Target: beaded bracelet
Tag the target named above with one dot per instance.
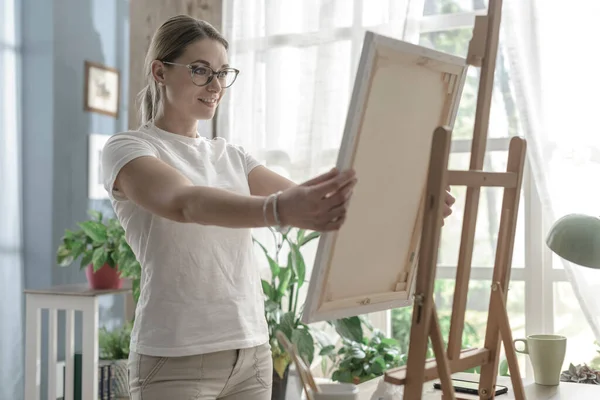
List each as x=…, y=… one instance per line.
x=281, y=229
x=265, y=205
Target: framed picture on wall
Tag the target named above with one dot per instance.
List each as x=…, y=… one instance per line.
x=96, y=143
x=102, y=88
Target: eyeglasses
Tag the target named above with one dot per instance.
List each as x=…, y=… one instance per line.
x=202, y=75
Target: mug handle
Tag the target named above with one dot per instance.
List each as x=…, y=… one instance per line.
x=525, y=349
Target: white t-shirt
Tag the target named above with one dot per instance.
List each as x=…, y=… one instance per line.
x=200, y=285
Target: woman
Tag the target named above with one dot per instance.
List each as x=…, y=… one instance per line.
x=186, y=204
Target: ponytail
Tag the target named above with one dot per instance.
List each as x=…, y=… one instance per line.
x=149, y=99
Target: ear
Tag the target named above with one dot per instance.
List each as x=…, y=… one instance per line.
x=158, y=72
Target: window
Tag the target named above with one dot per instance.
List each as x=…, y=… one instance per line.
x=11, y=261
x=298, y=60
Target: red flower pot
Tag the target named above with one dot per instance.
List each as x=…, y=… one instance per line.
x=106, y=277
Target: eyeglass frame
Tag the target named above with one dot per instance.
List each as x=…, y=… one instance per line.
x=212, y=72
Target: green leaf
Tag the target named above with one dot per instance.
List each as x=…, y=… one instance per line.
x=94, y=230
x=378, y=365
x=96, y=215
x=69, y=234
x=64, y=256
x=327, y=350
x=305, y=344
x=324, y=366
x=389, y=342
x=267, y=289
x=87, y=258
x=344, y=377
x=307, y=239
x=357, y=354
x=135, y=286
x=356, y=373
x=270, y=306
x=298, y=263
x=111, y=259
x=503, y=368
x=336, y=376
x=288, y=324
x=99, y=258
x=349, y=328
x=275, y=268
x=284, y=281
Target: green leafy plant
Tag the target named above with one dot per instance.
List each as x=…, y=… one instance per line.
x=114, y=345
x=282, y=310
x=361, y=357
x=99, y=242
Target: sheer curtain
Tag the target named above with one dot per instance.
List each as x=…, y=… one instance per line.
x=11, y=274
x=297, y=61
x=551, y=51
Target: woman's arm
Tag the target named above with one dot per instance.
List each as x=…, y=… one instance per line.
x=164, y=191
x=263, y=181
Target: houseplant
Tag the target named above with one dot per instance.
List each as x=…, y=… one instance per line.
x=114, y=350
x=282, y=310
x=104, y=252
x=361, y=357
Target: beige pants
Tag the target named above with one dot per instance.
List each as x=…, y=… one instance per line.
x=227, y=375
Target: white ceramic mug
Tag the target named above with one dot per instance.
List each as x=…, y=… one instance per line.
x=336, y=391
x=547, y=354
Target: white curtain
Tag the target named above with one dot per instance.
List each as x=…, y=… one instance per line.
x=11, y=267
x=552, y=52
x=297, y=61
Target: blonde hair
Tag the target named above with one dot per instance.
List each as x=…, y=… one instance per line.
x=168, y=43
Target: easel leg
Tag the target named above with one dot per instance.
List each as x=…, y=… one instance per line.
x=430, y=236
x=507, y=339
x=440, y=357
x=502, y=265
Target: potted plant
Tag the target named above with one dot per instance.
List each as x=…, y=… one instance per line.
x=361, y=357
x=114, y=351
x=105, y=254
x=282, y=310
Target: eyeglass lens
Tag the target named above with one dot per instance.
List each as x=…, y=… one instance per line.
x=201, y=75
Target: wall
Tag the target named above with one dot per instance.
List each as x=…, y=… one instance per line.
x=58, y=36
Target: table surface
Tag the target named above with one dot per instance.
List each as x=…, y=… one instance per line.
x=563, y=391
x=79, y=289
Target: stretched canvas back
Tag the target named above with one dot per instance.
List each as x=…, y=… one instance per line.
x=402, y=93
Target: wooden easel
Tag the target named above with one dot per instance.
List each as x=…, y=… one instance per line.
x=425, y=322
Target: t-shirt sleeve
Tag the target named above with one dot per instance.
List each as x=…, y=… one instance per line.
x=251, y=161
x=118, y=151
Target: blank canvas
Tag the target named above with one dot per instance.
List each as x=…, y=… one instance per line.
x=402, y=92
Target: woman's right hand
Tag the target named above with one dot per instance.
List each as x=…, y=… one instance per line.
x=319, y=204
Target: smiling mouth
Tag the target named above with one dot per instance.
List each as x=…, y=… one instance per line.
x=209, y=102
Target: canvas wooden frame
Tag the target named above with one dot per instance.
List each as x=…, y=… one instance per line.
x=401, y=94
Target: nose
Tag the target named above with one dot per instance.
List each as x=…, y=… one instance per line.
x=214, y=85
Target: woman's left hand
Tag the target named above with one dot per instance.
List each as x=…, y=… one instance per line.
x=449, y=201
